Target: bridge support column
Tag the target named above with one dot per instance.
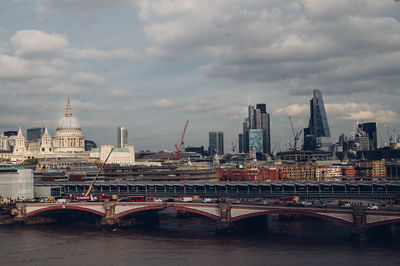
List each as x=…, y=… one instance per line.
x=109, y=219
x=21, y=208
x=224, y=225
x=359, y=229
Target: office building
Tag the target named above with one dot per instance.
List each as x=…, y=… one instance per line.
x=258, y=119
x=89, y=145
x=370, y=129
x=318, y=121
x=241, y=143
x=256, y=140
x=216, y=142
x=10, y=133
x=122, y=137
x=34, y=133
x=318, y=124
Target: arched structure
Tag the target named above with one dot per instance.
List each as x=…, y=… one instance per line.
x=294, y=212
x=196, y=211
x=65, y=207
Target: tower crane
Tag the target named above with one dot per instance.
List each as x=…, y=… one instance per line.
x=296, y=136
x=179, y=148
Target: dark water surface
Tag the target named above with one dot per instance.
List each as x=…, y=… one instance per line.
x=192, y=241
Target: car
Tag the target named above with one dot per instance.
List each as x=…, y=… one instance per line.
x=263, y=202
x=207, y=200
x=373, y=207
x=158, y=200
x=346, y=205
x=235, y=202
x=306, y=203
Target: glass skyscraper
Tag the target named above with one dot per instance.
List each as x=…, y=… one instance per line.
x=318, y=121
x=258, y=119
x=216, y=142
x=370, y=129
x=256, y=140
x=34, y=133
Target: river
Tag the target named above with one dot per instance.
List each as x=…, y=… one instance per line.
x=192, y=241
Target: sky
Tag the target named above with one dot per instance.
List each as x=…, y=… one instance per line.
x=151, y=65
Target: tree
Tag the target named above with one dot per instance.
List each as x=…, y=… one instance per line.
x=31, y=162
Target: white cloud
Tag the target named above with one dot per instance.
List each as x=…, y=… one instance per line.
x=88, y=79
x=292, y=110
x=14, y=68
x=35, y=43
x=163, y=104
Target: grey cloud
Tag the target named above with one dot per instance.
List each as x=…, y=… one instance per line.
x=88, y=79
x=264, y=42
x=79, y=4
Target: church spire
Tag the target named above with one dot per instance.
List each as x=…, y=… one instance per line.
x=68, y=112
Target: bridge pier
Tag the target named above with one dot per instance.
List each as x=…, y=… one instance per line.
x=109, y=220
x=224, y=225
x=359, y=229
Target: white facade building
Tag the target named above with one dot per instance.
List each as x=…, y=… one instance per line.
x=120, y=156
x=16, y=184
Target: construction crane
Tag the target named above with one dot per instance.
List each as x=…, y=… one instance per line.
x=97, y=175
x=181, y=144
x=296, y=136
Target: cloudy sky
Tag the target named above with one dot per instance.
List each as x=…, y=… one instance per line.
x=152, y=65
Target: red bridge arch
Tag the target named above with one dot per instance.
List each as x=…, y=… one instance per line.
x=293, y=212
x=63, y=207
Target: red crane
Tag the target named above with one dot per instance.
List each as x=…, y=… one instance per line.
x=179, y=148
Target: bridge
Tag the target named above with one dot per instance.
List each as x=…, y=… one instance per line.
x=382, y=191
x=225, y=214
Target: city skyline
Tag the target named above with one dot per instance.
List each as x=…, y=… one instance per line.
x=165, y=62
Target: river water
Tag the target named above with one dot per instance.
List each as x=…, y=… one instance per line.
x=192, y=241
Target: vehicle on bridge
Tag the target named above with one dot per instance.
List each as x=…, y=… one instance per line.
x=137, y=198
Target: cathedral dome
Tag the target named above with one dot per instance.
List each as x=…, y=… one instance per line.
x=68, y=122
x=69, y=137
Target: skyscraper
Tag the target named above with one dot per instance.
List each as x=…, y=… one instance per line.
x=122, y=137
x=216, y=142
x=34, y=133
x=318, y=124
x=318, y=121
x=258, y=119
x=370, y=129
x=256, y=140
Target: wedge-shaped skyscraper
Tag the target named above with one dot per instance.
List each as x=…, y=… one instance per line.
x=318, y=121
